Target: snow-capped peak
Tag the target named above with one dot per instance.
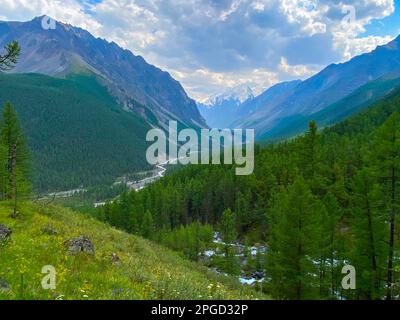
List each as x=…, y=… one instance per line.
x=238, y=94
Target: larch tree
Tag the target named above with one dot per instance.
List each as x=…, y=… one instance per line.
x=310, y=158
x=147, y=226
x=17, y=182
x=329, y=244
x=386, y=158
x=10, y=57
x=370, y=247
x=228, y=226
x=294, y=243
x=229, y=235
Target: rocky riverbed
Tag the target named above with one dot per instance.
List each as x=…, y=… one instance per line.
x=249, y=275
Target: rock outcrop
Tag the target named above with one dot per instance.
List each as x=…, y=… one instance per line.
x=81, y=244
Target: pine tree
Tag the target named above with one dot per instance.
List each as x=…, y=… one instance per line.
x=18, y=165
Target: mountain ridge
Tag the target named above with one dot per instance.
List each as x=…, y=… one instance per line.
x=128, y=77
x=224, y=103
x=327, y=87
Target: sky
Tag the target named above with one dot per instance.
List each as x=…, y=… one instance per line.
x=213, y=45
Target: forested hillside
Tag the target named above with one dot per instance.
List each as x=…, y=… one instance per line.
x=357, y=101
x=319, y=202
x=78, y=134
x=326, y=88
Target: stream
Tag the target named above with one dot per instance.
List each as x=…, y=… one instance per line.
x=245, y=277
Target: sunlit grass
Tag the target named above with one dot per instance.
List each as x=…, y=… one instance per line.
x=146, y=271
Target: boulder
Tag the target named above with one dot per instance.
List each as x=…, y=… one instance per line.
x=79, y=245
x=50, y=230
x=4, y=286
x=5, y=232
x=259, y=275
x=115, y=259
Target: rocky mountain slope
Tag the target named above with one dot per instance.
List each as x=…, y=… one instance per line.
x=129, y=78
x=220, y=110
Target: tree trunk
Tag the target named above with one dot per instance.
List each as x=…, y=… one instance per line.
x=389, y=282
x=390, y=259
x=13, y=177
x=372, y=248
x=299, y=287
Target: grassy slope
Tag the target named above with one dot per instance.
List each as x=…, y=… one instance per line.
x=147, y=271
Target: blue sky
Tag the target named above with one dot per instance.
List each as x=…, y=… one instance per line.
x=389, y=25
x=212, y=45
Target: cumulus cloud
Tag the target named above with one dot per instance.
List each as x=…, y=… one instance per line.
x=308, y=15
x=346, y=33
x=297, y=71
x=69, y=11
x=210, y=45
x=203, y=81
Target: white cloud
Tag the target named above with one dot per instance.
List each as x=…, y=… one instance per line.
x=258, y=6
x=232, y=9
x=352, y=47
x=307, y=14
x=209, y=45
x=203, y=82
x=69, y=11
x=299, y=71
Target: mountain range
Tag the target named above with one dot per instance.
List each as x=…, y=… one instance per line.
x=89, y=103
x=329, y=96
x=129, y=78
x=86, y=104
x=220, y=109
